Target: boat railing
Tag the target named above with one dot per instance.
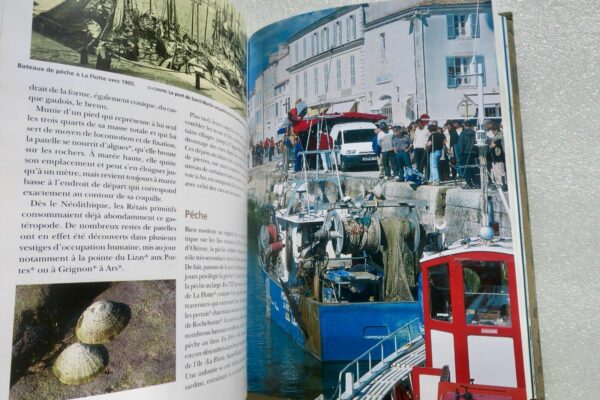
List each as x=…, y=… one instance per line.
x=332, y=153
x=397, y=343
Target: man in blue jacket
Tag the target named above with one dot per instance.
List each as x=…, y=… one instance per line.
x=297, y=156
x=377, y=150
x=468, y=155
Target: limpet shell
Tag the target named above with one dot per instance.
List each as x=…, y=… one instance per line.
x=80, y=363
x=102, y=321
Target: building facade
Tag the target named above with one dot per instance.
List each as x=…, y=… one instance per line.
x=400, y=59
x=326, y=68
x=424, y=58
x=270, y=100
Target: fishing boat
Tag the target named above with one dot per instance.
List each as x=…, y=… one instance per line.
x=339, y=276
x=470, y=344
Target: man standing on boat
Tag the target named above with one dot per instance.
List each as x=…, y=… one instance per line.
x=325, y=143
x=297, y=156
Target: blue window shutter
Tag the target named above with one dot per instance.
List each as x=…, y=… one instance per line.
x=450, y=72
x=474, y=25
x=450, y=24
x=481, y=61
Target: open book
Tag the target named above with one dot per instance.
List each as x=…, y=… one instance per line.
x=321, y=210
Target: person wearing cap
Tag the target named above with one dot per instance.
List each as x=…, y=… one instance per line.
x=435, y=143
x=384, y=140
x=402, y=145
x=419, y=144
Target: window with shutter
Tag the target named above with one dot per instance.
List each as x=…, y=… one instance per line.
x=474, y=25
x=450, y=26
x=338, y=73
x=450, y=72
x=352, y=71
x=480, y=60
x=461, y=71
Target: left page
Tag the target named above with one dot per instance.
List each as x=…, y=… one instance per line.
x=123, y=203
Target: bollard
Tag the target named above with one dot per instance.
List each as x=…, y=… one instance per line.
x=198, y=80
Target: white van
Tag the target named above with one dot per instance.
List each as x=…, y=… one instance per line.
x=354, y=141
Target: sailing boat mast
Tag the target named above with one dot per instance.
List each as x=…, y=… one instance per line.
x=206, y=20
x=193, y=12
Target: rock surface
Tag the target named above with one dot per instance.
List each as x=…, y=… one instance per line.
x=142, y=355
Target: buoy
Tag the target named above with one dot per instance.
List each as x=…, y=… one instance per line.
x=276, y=247
x=272, y=233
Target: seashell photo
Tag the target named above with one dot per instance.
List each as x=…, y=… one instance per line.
x=73, y=340
x=102, y=321
x=80, y=363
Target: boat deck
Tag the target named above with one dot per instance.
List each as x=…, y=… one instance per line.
x=377, y=383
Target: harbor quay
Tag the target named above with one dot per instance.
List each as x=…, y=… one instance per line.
x=447, y=207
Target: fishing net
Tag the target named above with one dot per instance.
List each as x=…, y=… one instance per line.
x=399, y=260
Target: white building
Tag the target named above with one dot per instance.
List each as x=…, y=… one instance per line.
x=270, y=101
x=326, y=66
x=418, y=55
x=399, y=58
x=256, y=110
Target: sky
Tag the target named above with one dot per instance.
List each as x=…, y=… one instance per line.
x=265, y=42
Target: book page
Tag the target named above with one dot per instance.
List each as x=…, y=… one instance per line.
x=123, y=158
x=384, y=198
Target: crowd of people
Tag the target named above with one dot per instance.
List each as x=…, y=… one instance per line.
x=422, y=152
x=427, y=152
x=265, y=150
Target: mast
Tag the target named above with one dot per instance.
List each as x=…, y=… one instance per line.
x=197, y=23
x=206, y=20
x=193, y=12
x=215, y=24
x=175, y=25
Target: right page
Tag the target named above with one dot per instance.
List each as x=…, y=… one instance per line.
x=385, y=265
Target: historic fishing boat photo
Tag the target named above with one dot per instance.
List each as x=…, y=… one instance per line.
x=193, y=44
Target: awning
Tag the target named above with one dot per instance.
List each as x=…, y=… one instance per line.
x=492, y=99
x=312, y=112
x=347, y=106
x=378, y=105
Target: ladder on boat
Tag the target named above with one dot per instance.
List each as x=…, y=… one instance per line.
x=397, y=353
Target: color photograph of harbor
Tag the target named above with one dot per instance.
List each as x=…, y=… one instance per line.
x=384, y=266
x=198, y=45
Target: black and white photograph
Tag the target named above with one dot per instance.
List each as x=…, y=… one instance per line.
x=198, y=45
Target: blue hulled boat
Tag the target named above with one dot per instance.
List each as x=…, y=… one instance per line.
x=338, y=276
